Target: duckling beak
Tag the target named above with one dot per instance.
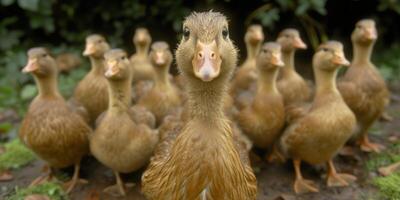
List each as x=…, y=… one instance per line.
x=89, y=50
x=112, y=68
x=32, y=65
x=276, y=60
x=339, y=59
x=371, y=34
x=258, y=36
x=159, y=59
x=206, y=61
x=298, y=43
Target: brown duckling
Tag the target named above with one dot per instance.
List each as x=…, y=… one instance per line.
x=66, y=62
x=246, y=73
x=318, y=135
x=118, y=142
x=50, y=128
x=202, y=161
x=362, y=87
x=164, y=97
x=291, y=85
x=91, y=91
x=263, y=120
x=142, y=68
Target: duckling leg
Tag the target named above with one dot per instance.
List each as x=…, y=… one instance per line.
x=368, y=146
x=118, y=189
x=276, y=155
x=338, y=180
x=386, y=171
x=43, y=178
x=302, y=185
x=386, y=117
x=69, y=186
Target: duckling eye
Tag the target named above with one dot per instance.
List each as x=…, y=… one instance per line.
x=225, y=33
x=265, y=51
x=44, y=55
x=324, y=49
x=186, y=33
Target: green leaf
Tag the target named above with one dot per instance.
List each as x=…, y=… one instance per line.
x=31, y=5
x=28, y=92
x=7, y=2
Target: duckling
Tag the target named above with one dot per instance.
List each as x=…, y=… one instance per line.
x=246, y=73
x=263, y=120
x=164, y=97
x=318, y=135
x=142, y=68
x=201, y=160
x=50, y=128
x=362, y=87
x=118, y=142
x=66, y=62
x=291, y=85
x=91, y=91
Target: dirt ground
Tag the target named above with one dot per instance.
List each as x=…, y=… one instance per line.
x=274, y=180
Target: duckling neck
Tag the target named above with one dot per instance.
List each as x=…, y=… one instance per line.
x=206, y=100
x=162, y=79
x=362, y=54
x=141, y=50
x=252, y=50
x=288, y=59
x=119, y=95
x=267, y=81
x=47, y=86
x=98, y=67
x=326, y=82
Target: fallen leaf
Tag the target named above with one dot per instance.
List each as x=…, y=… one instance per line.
x=285, y=197
x=37, y=197
x=93, y=195
x=6, y=176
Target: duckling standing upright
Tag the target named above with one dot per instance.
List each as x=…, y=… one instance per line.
x=246, y=74
x=91, y=91
x=202, y=161
x=142, y=68
x=263, y=120
x=164, y=97
x=362, y=87
x=118, y=141
x=50, y=128
x=290, y=84
x=318, y=135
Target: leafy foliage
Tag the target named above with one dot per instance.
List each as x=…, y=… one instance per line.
x=391, y=155
x=16, y=156
x=52, y=190
x=389, y=186
x=388, y=62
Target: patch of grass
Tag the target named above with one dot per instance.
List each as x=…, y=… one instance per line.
x=16, y=155
x=389, y=186
x=53, y=190
x=391, y=155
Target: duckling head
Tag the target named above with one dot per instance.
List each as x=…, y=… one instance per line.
x=40, y=63
x=117, y=65
x=141, y=37
x=330, y=56
x=270, y=56
x=365, y=32
x=290, y=40
x=96, y=46
x=160, y=55
x=205, y=51
x=254, y=35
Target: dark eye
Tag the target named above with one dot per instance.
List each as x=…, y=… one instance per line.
x=44, y=55
x=123, y=57
x=324, y=49
x=225, y=33
x=265, y=51
x=186, y=33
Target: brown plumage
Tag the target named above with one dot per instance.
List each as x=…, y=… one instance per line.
x=246, y=74
x=142, y=68
x=362, y=87
x=67, y=62
x=164, y=97
x=91, y=91
x=263, y=120
x=202, y=161
x=318, y=135
x=50, y=128
x=291, y=85
x=119, y=142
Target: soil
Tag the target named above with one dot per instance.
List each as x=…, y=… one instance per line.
x=275, y=181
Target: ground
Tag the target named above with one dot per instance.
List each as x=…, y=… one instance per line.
x=274, y=180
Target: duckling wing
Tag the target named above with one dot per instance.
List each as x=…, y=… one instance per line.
x=79, y=109
x=294, y=112
x=352, y=95
x=141, y=115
